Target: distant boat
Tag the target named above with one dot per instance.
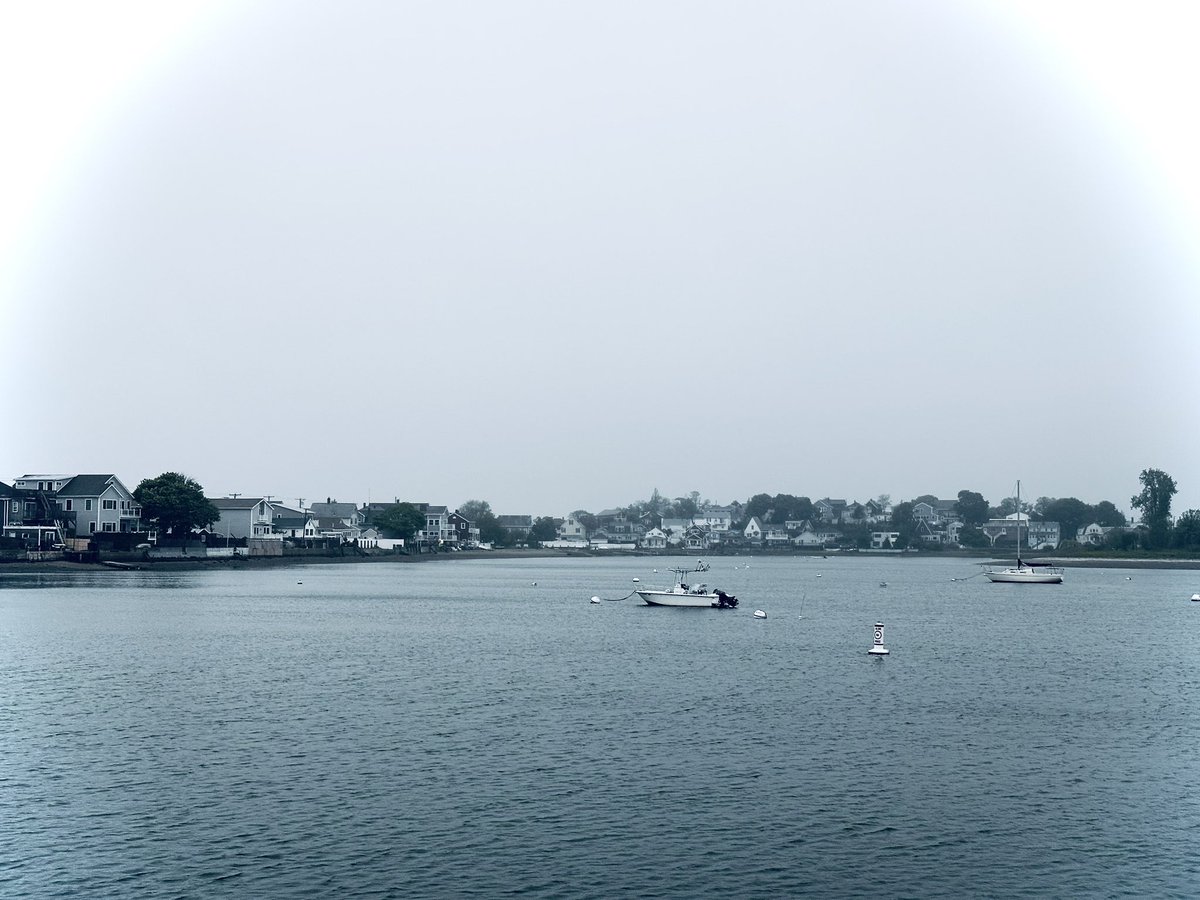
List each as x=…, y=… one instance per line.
x=685, y=594
x=1196, y=598
x=1024, y=572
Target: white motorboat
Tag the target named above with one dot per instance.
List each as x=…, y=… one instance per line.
x=1024, y=572
x=685, y=593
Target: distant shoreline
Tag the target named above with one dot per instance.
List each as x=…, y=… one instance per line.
x=272, y=562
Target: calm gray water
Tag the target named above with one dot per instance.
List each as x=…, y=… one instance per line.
x=451, y=729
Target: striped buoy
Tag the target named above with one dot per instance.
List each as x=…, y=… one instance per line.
x=877, y=649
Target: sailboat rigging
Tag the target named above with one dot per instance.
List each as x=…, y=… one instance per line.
x=1024, y=572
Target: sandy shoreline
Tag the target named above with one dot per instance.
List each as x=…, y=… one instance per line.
x=268, y=562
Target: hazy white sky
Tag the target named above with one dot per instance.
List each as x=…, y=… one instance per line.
x=558, y=255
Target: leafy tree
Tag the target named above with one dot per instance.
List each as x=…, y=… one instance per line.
x=401, y=520
x=926, y=498
x=973, y=537
x=1186, y=535
x=972, y=507
x=479, y=513
x=176, y=502
x=1105, y=513
x=1155, y=503
x=758, y=505
x=685, y=507
x=903, y=522
x=1070, y=513
x=475, y=510
x=545, y=528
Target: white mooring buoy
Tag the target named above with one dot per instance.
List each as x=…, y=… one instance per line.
x=637, y=580
x=877, y=649
x=1196, y=598
x=595, y=599
x=760, y=614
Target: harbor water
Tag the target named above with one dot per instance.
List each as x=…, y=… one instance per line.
x=480, y=728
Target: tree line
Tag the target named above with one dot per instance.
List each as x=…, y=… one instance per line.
x=177, y=502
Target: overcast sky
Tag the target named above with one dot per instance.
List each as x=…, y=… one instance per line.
x=556, y=255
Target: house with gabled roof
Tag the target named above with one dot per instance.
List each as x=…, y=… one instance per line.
x=244, y=517
x=830, y=510
x=754, y=530
x=331, y=509
x=654, y=539
x=100, y=503
x=293, y=523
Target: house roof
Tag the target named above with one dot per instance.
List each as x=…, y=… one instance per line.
x=328, y=523
x=86, y=486
x=435, y=510
x=334, y=509
x=235, y=502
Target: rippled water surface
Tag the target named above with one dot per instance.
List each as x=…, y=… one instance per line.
x=452, y=728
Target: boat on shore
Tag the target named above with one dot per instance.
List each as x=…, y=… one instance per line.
x=686, y=593
x=1024, y=572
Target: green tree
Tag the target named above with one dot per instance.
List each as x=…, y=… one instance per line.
x=545, y=528
x=479, y=513
x=176, y=502
x=1155, y=503
x=903, y=522
x=1186, y=535
x=1106, y=513
x=758, y=505
x=1070, y=513
x=973, y=537
x=972, y=507
x=401, y=520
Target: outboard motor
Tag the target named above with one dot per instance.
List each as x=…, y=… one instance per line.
x=726, y=601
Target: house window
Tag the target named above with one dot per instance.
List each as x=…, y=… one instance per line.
x=110, y=504
x=110, y=526
x=68, y=505
x=91, y=527
x=87, y=505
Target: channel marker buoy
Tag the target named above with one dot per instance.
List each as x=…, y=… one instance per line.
x=877, y=649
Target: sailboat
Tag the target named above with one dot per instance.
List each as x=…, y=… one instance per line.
x=1024, y=572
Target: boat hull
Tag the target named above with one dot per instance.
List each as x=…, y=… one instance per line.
x=1023, y=575
x=672, y=598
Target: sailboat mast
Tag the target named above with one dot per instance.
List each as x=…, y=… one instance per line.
x=1018, y=523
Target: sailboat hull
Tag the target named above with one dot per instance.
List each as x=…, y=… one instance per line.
x=1025, y=575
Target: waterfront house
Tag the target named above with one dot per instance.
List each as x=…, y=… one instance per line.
x=100, y=503
x=243, y=517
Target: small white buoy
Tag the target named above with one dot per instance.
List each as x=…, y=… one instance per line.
x=1129, y=578
x=1196, y=598
x=637, y=581
x=818, y=574
x=595, y=599
x=877, y=649
x=533, y=583
x=759, y=614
